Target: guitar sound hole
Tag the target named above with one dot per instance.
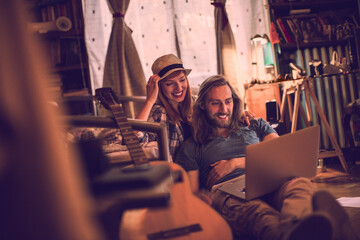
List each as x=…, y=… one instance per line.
x=177, y=176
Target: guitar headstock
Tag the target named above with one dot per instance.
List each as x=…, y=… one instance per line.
x=107, y=97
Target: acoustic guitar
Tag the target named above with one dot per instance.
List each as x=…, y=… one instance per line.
x=185, y=216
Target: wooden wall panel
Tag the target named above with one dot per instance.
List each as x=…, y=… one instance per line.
x=257, y=95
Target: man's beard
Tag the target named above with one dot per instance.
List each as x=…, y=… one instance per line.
x=216, y=122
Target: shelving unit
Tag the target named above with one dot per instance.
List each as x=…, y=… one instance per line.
x=59, y=25
x=309, y=24
x=318, y=31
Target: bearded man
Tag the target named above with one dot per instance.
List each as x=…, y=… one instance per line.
x=216, y=155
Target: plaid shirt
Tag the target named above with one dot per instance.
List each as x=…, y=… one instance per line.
x=175, y=131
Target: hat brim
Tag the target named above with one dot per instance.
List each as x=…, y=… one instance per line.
x=187, y=71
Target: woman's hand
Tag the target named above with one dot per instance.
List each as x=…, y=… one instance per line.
x=246, y=117
x=152, y=89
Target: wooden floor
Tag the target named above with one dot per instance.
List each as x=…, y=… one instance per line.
x=341, y=184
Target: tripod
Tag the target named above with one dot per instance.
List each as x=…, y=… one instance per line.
x=295, y=87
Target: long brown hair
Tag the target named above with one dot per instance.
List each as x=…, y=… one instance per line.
x=202, y=127
x=184, y=111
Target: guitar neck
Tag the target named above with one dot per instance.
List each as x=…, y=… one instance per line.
x=132, y=142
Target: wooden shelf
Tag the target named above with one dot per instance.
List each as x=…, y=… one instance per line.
x=71, y=34
x=315, y=5
x=69, y=67
x=294, y=46
x=77, y=93
x=326, y=23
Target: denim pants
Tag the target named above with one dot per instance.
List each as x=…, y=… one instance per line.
x=266, y=217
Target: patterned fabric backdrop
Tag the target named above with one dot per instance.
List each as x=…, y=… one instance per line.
x=183, y=27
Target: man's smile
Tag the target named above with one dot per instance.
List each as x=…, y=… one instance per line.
x=222, y=115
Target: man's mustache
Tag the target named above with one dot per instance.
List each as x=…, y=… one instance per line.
x=217, y=114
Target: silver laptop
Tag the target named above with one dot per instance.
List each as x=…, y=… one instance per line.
x=270, y=163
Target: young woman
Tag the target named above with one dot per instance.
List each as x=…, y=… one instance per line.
x=168, y=100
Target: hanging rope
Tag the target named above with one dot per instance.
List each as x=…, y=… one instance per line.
x=118, y=14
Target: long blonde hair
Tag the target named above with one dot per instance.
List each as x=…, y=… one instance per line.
x=184, y=111
x=202, y=127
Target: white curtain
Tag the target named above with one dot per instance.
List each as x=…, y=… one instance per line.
x=98, y=24
x=227, y=58
x=247, y=19
x=185, y=28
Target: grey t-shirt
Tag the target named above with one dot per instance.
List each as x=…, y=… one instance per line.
x=193, y=156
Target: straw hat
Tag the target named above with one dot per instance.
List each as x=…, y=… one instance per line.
x=167, y=64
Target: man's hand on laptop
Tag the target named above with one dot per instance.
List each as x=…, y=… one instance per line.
x=222, y=168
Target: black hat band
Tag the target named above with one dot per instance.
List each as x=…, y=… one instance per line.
x=168, y=68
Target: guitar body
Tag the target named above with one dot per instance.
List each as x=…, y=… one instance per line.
x=184, y=209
